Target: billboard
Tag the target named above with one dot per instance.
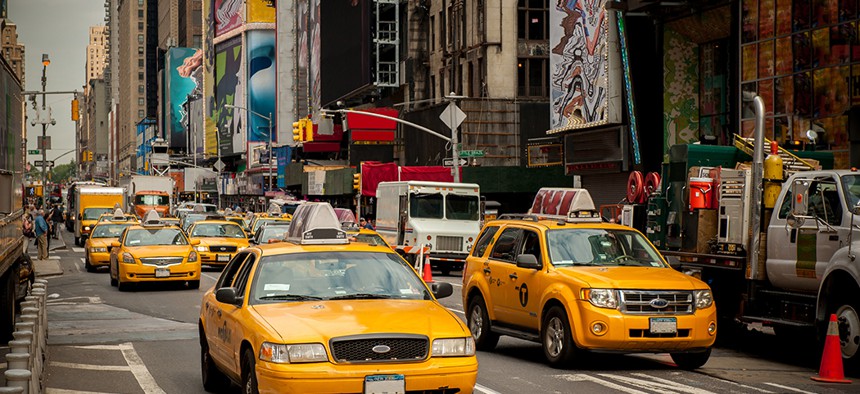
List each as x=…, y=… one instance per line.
x=209, y=108
x=228, y=90
x=308, y=62
x=182, y=71
x=585, y=66
x=345, y=63
x=260, y=48
x=260, y=12
x=228, y=15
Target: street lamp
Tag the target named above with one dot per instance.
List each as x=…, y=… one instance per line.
x=268, y=118
x=45, y=62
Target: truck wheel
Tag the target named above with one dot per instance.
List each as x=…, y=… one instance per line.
x=480, y=326
x=849, y=333
x=8, y=312
x=691, y=361
x=556, y=338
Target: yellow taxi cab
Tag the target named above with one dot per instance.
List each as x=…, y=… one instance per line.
x=240, y=220
x=260, y=220
x=171, y=221
x=113, y=217
x=98, y=244
x=153, y=252
x=575, y=283
x=367, y=236
x=218, y=240
x=319, y=313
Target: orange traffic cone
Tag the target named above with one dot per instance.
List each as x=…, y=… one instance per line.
x=831, y=361
x=428, y=276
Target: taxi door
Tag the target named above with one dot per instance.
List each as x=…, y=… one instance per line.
x=499, y=270
x=525, y=283
x=216, y=313
x=235, y=318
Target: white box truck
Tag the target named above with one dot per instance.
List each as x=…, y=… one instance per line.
x=444, y=216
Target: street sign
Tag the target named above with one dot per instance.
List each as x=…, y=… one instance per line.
x=449, y=162
x=452, y=116
x=219, y=165
x=471, y=153
x=39, y=163
x=34, y=152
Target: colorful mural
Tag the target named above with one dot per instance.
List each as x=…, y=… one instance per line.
x=209, y=108
x=228, y=15
x=260, y=47
x=229, y=89
x=681, y=94
x=308, y=81
x=260, y=12
x=584, y=72
x=181, y=79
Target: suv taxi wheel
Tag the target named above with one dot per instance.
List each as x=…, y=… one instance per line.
x=479, y=325
x=556, y=338
x=249, y=373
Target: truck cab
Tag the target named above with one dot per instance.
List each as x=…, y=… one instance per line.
x=146, y=200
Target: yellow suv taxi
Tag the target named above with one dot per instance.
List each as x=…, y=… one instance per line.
x=98, y=244
x=576, y=283
x=218, y=240
x=153, y=252
x=319, y=313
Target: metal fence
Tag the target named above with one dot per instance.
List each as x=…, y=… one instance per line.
x=25, y=362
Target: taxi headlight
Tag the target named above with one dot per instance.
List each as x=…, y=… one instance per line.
x=301, y=353
x=601, y=298
x=200, y=248
x=192, y=257
x=452, y=347
x=86, y=228
x=704, y=299
x=99, y=250
x=241, y=248
x=127, y=258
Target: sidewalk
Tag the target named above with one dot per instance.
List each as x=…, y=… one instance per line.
x=50, y=267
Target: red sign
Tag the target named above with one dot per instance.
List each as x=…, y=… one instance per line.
x=364, y=122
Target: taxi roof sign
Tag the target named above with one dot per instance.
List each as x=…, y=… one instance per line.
x=316, y=224
x=151, y=218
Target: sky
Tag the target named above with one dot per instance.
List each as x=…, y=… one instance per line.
x=59, y=28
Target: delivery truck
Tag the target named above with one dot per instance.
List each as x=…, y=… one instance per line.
x=148, y=192
x=92, y=202
x=443, y=217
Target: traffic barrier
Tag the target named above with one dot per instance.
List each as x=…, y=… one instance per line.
x=831, y=370
x=25, y=362
x=427, y=274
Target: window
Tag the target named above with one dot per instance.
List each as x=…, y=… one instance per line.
x=139, y=26
x=426, y=206
x=140, y=62
x=140, y=101
x=140, y=38
x=140, y=76
x=140, y=114
x=505, y=248
x=432, y=33
x=532, y=77
x=531, y=245
x=532, y=20
x=140, y=13
x=140, y=89
x=197, y=41
x=140, y=50
x=140, y=3
x=484, y=241
x=443, y=38
x=230, y=271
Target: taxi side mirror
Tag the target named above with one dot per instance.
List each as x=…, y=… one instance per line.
x=441, y=289
x=528, y=261
x=115, y=244
x=195, y=242
x=228, y=295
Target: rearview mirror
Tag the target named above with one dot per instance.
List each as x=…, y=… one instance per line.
x=195, y=242
x=528, y=261
x=228, y=295
x=794, y=221
x=115, y=244
x=856, y=209
x=441, y=289
x=800, y=197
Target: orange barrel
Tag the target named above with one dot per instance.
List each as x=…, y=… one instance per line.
x=700, y=193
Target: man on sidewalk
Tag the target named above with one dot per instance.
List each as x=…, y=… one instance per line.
x=41, y=227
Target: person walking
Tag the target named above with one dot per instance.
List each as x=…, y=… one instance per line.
x=57, y=218
x=28, y=231
x=41, y=229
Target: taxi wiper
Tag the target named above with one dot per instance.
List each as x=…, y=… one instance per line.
x=291, y=297
x=365, y=296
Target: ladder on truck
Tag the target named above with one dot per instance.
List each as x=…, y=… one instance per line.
x=790, y=162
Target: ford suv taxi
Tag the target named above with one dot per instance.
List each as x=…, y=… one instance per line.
x=153, y=252
x=219, y=240
x=575, y=283
x=318, y=313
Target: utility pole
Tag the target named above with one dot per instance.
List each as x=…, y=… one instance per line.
x=45, y=63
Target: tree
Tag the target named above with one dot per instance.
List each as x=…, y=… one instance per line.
x=63, y=172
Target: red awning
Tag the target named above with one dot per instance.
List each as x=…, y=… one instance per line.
x=374, y=172
x=435, y=174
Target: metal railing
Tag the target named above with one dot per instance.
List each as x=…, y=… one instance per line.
x=25, y=361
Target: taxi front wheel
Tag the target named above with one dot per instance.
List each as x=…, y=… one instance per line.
x=249, y=372
x=691, y=361
x=556, y=338
x=213, y=379
x=479, y=325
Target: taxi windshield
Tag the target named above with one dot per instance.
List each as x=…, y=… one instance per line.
x=580, y=247
x=152, y=237
x=336, y=276
x=273, y=232
x=222, y=230
x=262, y=221
x=108, y=230
x=371, y=239
x=95, y=213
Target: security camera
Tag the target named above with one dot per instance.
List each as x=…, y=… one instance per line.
x=33, y=123
x=53, y=122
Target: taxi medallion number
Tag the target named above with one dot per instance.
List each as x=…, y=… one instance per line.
x=223, y=257
x=384, y=384
x=663, y=325
x=162, y=272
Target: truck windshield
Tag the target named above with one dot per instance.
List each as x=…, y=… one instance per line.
x=851, y=186
x=94, y=213
x=581, y=247
x=151, y=199
x=427, y=206
x=462, y=207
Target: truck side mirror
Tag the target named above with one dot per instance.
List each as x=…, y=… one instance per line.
x=856, y=208
x=794, y=221
x=800, y=197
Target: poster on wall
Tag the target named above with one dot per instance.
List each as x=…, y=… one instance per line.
x=228, y=15
x=181, y=75
x=259, y=11
x=228, y=90
x=209, y=108
x=260, y=49
x=308, y=57
x=585, y=67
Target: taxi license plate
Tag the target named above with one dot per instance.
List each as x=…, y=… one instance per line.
x=223, y=257
x=162, y=272
x=384, y=384
x=663, y=325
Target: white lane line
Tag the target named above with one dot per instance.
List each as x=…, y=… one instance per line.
x=209, y=276
x=93, y=367
x=98, y=347
x=457, y=310
x=63, y=391
x=78, y=250
x=745, y=386
x=658, y=384
x=138, y=368
x=485, y=389
x=779, y=386
x=579, y=377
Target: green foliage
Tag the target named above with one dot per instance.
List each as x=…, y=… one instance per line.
x=63, y=172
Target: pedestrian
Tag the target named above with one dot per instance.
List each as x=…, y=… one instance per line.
x=57, y=218
x=28, y=231
x=41, y=230
x=365, y=224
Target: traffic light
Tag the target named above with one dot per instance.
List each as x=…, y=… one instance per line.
x=89, y=155
x=309, y=130
x=76, y=114
x=297, y=130
x=356, y=182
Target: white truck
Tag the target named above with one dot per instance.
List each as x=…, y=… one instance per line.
x=446, y=217
x=145, y=192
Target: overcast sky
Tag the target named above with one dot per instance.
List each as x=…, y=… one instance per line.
x=59, y=28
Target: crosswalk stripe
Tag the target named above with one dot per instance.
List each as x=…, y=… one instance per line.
x=579, y=377
x=138, y=368
x=779, y=386
x=78, y=250
x=656, y=384
x=93, y=367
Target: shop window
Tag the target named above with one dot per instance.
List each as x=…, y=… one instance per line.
x=533, y=20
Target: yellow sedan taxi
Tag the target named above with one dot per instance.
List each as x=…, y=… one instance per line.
x=264, y=218
x=319, y=313
x=153, y=252
x=98, y=245
x=218, y=240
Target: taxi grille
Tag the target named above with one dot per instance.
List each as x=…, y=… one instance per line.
x=449, y=243
x=639, y=302
x=360, y=348
x=161, y=261
x=222, y=248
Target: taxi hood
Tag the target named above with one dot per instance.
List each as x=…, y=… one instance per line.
x=101, y=242
x=320, y=321
x=222, y=241
x=645, y=278
x=160, y=251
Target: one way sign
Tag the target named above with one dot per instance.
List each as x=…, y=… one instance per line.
x=449, y=162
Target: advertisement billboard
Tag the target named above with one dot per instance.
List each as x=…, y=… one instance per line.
x=259, y=11
x=182, y=71
x=585, y=66
x=209, y=108
x=228, y=15
x=260, y=47
x=229, y=90
x=345, y=63
x=308, y=62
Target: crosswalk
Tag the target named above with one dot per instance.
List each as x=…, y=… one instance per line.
x=682, y=383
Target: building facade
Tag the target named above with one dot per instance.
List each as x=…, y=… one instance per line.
x=13, y=52
x=96, y=59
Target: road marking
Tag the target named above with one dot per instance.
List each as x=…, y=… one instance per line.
x=485, y=389
x=209, y=276
x=138, y=368
x=457, y=310
x=779, y=386
x=657, y=384
x=579, y=377
x=62, y=391
x=78, y=250
x=98, y=347
x=745, y=386
x=93, y=367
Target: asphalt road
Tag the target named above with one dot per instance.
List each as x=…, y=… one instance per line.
x=104, y=341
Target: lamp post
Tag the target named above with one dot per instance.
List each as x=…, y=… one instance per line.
x=45, y=63
x=269, y=119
